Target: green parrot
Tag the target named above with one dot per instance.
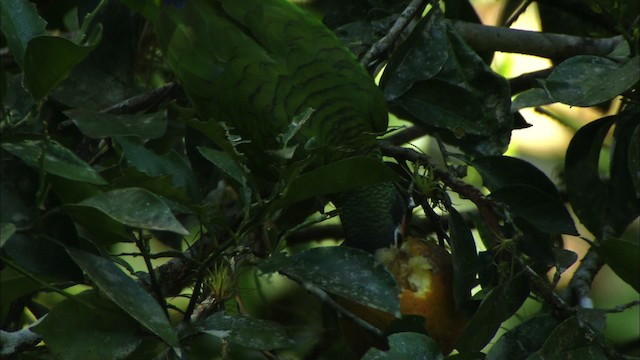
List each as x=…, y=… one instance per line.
x=255, y=65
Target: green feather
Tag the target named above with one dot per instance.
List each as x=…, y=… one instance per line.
x=255, y=65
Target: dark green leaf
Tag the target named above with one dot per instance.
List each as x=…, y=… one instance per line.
x=57, y=160
x=6, y=232
x=564, y=259
x=543, y=211
x=501, y=171
x=226, y=163
x=407, y=345
x=42, y=257
x=245, y=331
x=465, y=257
x=14, y=286
x=569, y=341
x=49, y=59
x=524, y=339
x=126, y=293
x=579, y=80
x=148, y=162
x=499, y=305
x=99, y=125
x=634, y=160
x=420, y=57
x=463, y=100
x=343, y=175
x=587, y=192
x=351, y=273
x=623, y=256
x=624, y=207
x=137, y=208
x=107, y=332
x=20, y=22
x=530, y=98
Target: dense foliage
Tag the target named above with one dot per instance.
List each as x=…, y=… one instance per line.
x=126, y=234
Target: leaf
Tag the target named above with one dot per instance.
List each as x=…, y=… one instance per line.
x=499, y=305
x=501, y=171
x=420, y=57
x=543, y=211
x=246, y=332
x=454, y=95
x=587, y=193
x=49, y=59
x=42, y=257
x=524, y=339
x=107, y=332
x=347, y=272
x=137, y=208
x=98, y=125
x=465, y=257
x=623, y=207
x=339, y=176
x=407, y=345
x=569, y=341
x=579, y=81
x=531, y=98
x=126, y=293
x=57, y=160
x=148, y=162
x=634, y=160
x=226, y=163
x=623, y=257
x=15, y=286
x=6, y=232
x=20, y=22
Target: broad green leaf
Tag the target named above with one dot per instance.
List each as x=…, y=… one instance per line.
x=623, y=207
x=14, y=285
x=531, y=98
x=542, y=210
x=137, y=208
x=623, y=257
x=148, y=162
x=524, y=339
x=587, y=80
x=461, y=100
x=6, y=232
x=57, y=160
x=407, y=345
x=20, y=22
x=420, y=57
x=49, y=60
x=226, y=163
x=634, y=160
x=499, y=305
x=350, y=273
x=339, y=176
x=245, y=331
x=98, y=125
x=587, y=193
x=107, y=332
x=501, y=171
x=465, y=257
x=42, y=257
x=569, y=341
x=126, y=293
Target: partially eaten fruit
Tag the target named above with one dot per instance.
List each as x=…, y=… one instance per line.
x=424, y=274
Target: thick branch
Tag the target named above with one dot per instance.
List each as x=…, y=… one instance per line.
x=553, y=46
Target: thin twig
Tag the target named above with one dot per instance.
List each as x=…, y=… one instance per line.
x=516, y=14
x=387, y=42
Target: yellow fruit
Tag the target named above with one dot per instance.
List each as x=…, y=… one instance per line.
x=424, y=274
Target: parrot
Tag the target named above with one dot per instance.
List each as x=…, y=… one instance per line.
x=254, y=65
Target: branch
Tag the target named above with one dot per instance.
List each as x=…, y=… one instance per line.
x=387, y=42
x=547, y=45
x=16, y=342
x=580, y=284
